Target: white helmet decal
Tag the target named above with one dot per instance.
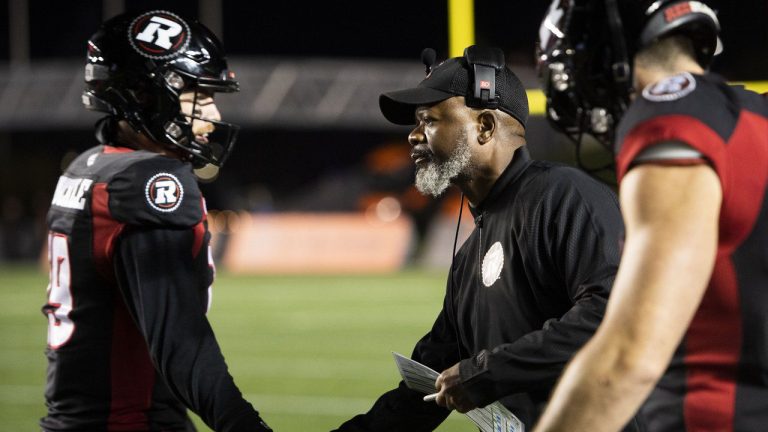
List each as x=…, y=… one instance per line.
x=158, y=35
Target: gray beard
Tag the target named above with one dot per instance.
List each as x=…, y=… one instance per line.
x=434, y=178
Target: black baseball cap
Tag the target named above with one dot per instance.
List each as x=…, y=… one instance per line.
x=446, y=80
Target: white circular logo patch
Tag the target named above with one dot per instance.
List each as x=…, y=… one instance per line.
x=164, y=192
x=158, y=34
x=670, y=88
x=493, y=262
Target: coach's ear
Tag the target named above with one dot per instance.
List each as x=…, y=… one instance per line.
x=486, y=125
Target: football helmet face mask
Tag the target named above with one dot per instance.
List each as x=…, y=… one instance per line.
x=585, y=52
x=583, y=66
x=139, y=64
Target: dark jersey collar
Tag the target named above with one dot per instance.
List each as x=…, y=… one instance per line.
x=519, y=162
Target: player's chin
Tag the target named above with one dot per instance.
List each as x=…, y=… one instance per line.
x=201, y=139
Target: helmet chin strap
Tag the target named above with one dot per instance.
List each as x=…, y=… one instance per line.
x=105, y=129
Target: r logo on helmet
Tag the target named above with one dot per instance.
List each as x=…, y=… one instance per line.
x=164, y=192
x=158, y=35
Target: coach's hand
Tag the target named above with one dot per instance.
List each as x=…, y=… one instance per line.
x=451, y=393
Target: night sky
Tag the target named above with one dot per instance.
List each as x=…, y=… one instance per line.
x=396, y=29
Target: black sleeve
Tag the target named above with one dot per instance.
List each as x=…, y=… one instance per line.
x=571, y=255
x=155, y=192
x=403, y=409
x=162, y=291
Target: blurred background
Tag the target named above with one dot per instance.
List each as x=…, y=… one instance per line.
x=319, y=182
x=313, y=139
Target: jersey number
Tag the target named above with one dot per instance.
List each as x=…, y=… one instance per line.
x=60, y=327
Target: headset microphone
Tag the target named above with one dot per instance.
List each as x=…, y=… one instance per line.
x=428, y=57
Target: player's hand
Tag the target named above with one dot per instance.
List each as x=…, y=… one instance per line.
x=451, y=393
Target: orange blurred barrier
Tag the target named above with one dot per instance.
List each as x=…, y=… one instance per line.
x=366, y=242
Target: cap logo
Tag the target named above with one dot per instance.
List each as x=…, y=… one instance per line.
x=485, y=84
x=670, y=88
x=164, y=192
x=676, y=11
x=158, y=35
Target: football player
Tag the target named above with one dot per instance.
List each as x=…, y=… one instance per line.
x=129, y=345
x=684, y=337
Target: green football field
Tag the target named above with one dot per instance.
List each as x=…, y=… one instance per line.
x=308, y=351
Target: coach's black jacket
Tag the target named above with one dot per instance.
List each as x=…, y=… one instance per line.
x=526, y=291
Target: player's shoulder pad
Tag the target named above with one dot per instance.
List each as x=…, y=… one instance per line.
x=699, y=97
x=156, y=191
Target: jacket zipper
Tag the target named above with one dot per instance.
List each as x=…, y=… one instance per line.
x=479, y=222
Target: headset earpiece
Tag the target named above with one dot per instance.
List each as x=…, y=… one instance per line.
x=428, y=57
x=485, y=62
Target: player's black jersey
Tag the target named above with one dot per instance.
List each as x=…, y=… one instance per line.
x=129, y=347
x=718, y=377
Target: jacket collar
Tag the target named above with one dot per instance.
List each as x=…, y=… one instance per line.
x=520, y=161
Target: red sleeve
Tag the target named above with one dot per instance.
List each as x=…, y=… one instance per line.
x=674, y=127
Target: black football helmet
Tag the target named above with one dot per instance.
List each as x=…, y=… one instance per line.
x=139, y=64
x=586, y=49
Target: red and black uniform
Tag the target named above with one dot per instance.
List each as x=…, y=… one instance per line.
x=129, y=346
x=718, y=378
